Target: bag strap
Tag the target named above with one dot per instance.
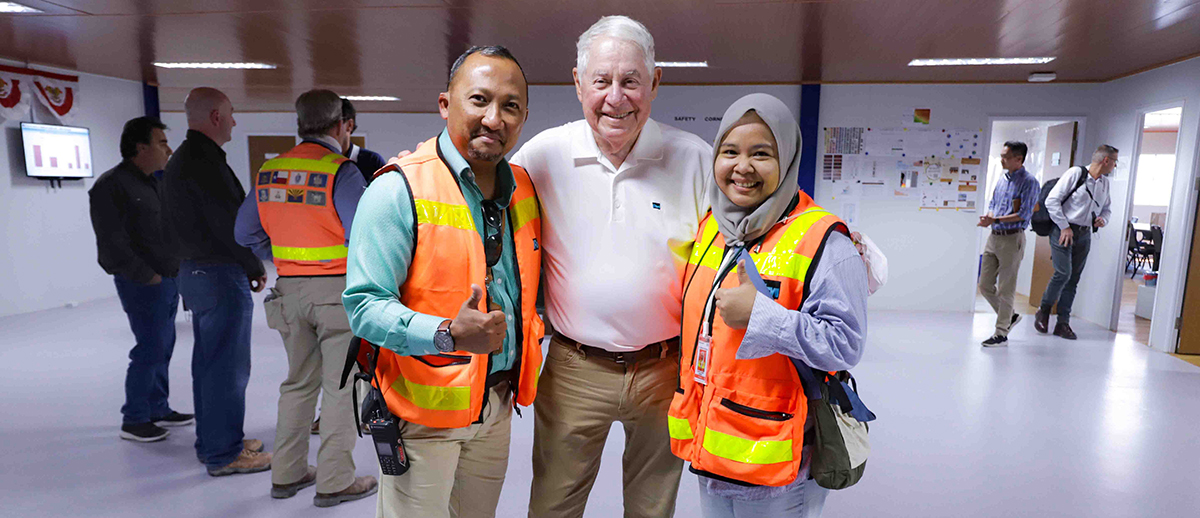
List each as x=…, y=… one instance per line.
x=1078, y=183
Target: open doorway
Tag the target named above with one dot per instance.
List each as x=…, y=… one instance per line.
x=1052, y=147
x=1153, y=181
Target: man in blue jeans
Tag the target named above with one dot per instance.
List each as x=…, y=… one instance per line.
x=201, y=196
x=1076, y=209
x=132, y=246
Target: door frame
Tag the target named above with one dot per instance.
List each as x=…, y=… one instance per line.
x=1183, y=215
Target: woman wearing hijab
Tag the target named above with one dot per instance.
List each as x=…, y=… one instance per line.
x=774, y=284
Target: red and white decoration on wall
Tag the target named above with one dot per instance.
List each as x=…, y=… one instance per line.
x=57, y=92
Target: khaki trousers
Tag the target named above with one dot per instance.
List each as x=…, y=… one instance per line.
x=998, y=276
x=578, y=400
x=308, y=313
x=456, y=472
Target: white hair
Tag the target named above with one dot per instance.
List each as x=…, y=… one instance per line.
x=619, y=27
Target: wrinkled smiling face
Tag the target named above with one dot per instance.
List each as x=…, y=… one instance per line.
x=485, y=108
x=747, y=163
x=616, y=91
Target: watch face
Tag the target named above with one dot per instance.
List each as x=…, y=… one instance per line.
x=443, y=341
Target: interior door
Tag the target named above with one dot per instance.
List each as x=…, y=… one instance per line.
x=263, y=148
x=1189, y=328
x=1061, y=141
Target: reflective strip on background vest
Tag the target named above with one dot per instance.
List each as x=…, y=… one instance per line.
x=325, y=165
x=525, y=211
x=746, y=451
x=295, y=253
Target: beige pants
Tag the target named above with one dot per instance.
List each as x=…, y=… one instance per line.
x=578, y=400
x=456, y=472
x=308, y=313
x=998, y=276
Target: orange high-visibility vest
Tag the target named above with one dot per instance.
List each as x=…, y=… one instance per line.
x=448, y=390
x=295, y=206
x=747, y=423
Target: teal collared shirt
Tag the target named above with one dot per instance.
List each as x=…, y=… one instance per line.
x=381, y=250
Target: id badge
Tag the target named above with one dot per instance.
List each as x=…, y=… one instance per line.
x=703, y=349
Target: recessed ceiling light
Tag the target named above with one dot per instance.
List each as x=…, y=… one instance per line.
x=13, y=7
x=370, y=98
x=954, y=62
x=236, y=66
x=681, y=64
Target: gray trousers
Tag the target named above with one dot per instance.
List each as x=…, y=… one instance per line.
x=1068, y=266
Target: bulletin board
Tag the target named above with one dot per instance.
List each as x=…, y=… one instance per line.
x=934, y=168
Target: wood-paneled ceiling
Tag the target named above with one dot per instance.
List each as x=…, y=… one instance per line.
x=403, y=47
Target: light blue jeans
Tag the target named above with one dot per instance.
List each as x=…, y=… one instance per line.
x=804, y=501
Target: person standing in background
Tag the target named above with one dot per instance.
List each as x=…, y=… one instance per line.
x=133, y=247
x=1014, y=196
x=300, y=217
x=201, y=196
x=1077, y=212
x=368, y=161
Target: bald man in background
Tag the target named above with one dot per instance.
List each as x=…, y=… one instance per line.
x=201, y=196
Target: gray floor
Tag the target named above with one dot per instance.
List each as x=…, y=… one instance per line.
x=1098, y=427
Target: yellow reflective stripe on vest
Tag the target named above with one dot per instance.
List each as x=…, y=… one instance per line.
x=781, y=261
x=430, y=397
x=445, y=214
x=746, y=451
x=324, y=165
x=679, y=429
x=296, y=253
x=524, y=211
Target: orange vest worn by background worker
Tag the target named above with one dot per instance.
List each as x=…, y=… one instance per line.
x=295, y=206
x=448, y=390
x=746, y=424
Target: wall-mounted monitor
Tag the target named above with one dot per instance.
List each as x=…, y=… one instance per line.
x=56, y=151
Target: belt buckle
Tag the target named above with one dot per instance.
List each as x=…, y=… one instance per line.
x=619, y=358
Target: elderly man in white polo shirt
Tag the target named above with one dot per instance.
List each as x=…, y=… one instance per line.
x=622, y=197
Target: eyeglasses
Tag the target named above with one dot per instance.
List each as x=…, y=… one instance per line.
x=493, y=240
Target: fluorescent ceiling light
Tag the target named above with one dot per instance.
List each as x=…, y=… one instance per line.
x=13, y=7
x=370, y=98
x=953, y=62
x=681, y=64
x=237, y=66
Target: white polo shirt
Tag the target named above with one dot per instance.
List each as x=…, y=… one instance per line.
x=616, y=240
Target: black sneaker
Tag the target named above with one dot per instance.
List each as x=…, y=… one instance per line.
x=175, y=419
x=143, y=432
x=1016, y=318
x=996, y=341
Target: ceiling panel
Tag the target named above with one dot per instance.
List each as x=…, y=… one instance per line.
x=404, y=48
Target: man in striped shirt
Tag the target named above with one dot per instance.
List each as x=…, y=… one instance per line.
x=1014, y=198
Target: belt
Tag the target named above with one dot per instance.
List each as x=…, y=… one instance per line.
x=1077, y=228
x=654, y=350
x=1007, y=232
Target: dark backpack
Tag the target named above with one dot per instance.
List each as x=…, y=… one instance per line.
x=1041, y=222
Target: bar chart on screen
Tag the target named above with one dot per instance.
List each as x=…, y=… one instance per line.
x=56, y=151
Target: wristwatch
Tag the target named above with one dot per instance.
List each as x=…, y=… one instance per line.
x=442, y=339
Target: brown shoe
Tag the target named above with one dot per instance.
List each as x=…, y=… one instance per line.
x=247, y=462
x=1064, y=330
x=316, y=426
x=1041, y=321
x=290, y=490
x=361, y=488
x=254, y=445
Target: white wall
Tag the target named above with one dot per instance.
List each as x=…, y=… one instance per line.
x=933, y=255
x=49, y=251
x=1117, y=122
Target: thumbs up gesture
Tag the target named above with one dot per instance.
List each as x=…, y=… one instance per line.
x=475, y=331
x=735, y=304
